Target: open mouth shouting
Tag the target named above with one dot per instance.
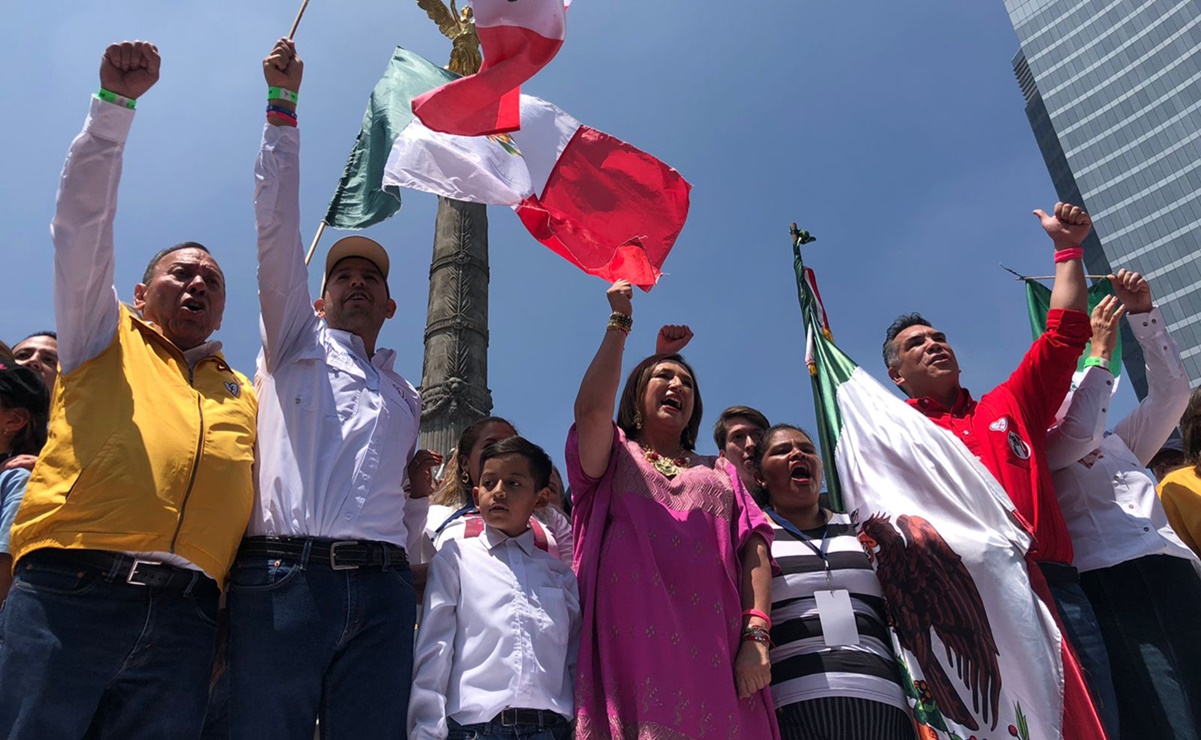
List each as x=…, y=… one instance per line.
x=194, y=305
x=357, y=296
x=800, y=473
x=671, y=401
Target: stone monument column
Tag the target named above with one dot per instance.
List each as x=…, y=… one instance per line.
x=454, y=377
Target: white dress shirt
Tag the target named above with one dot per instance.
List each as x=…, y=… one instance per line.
x=500, y=630
x=1105, y=491
x=337, y=427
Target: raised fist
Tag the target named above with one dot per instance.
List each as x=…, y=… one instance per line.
x=1132, y=290
x=620, y=295
x=672, y=339
x=282, y=67
x=129, y=68
x=1068, y=227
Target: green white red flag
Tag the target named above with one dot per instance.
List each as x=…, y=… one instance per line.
x=979, y=650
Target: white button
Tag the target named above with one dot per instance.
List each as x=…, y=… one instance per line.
x=348, y=516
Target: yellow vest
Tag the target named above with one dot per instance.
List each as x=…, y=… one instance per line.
x=144, y=455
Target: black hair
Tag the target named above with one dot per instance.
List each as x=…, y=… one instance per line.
x=900, y=324
x=158, y=257
x=540, y=464
x=52, y=334
x=760, y=493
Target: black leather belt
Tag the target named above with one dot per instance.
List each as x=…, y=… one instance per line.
x=337, y=554
x=117, y=567
x=538, y=717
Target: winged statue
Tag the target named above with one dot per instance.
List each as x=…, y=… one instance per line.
x=459, y=27
x=928, y=589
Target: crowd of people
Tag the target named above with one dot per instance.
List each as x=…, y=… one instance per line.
x=193, y=553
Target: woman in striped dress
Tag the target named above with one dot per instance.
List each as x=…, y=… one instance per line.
x=834, y=673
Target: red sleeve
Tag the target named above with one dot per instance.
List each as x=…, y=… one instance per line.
x=1043, y=379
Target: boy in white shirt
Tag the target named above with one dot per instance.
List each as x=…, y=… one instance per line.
x=499, y=637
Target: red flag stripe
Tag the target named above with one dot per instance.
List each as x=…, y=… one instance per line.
x=610, y=209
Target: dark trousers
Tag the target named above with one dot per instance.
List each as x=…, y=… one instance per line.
x=308, y=641
x=1084, y=635
x=85, y=654
x=497, y=731
x=1150, y=615
x=843, y=718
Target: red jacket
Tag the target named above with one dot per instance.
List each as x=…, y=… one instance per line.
x=1007, y=428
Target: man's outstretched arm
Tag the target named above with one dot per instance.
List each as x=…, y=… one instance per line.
x=85, y=302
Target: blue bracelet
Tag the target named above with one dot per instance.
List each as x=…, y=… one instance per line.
x=282, y=111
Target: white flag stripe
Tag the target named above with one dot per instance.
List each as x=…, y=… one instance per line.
x=543, y=17
x=482, y=169
x=892, y=459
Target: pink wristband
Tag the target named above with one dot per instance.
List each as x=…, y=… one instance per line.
x=1069, y=254
x=757, y=613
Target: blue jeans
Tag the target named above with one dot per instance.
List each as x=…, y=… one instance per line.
x=1084, y=632
x=82, y=653
x=307, y=642
x=497, y=731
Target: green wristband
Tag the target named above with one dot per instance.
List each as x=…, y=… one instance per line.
x=1096, y=362
x=279, y=93
x=115, y=99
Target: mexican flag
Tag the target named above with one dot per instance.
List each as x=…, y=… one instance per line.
x=980, y=653
x=518, y=39
x=360, y=200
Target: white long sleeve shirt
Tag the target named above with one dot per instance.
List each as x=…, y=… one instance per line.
x=499, y=630
x=337, y=427
x=1106, y=494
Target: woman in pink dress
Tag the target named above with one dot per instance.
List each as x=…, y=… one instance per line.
x=671, y=555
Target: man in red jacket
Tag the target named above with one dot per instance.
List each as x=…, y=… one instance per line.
x=1006, y=429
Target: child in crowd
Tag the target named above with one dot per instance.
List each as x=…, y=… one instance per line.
x=499, y=637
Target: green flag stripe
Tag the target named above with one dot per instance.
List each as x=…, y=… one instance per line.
x=360, y=200
x=1038, y=303
x=833, y=369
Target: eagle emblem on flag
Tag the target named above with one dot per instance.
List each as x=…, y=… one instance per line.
x=929, y=590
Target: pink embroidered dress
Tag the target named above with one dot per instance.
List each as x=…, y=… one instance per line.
x=660, y=579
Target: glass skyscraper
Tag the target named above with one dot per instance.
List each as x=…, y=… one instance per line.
x=1113, y=94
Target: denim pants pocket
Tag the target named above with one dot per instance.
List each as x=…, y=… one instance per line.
x=55, y=578
x=262, y=575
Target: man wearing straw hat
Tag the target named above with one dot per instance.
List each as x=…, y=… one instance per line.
x=138, y=501
x=321, y=604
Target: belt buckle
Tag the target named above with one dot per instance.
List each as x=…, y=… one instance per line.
x=133, y=572
x=508, y=714
x=333, y=555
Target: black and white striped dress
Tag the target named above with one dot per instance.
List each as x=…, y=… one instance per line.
x=849, y=691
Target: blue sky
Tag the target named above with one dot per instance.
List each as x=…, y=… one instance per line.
x=893, y=131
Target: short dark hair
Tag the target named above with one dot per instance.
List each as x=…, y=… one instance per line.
x=630, y=405
x=53, y=335
x=900, y=324
x=760, y=492
x=540, y=464
x=158, y=257
x=22, y=388
x=721, y=428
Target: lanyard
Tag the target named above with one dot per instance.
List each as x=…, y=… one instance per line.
x=795, y=532
x=468, y=509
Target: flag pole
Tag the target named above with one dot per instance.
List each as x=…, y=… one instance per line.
x=303, y=6
x=313, y=247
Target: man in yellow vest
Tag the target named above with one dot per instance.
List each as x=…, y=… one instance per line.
x=138, y=502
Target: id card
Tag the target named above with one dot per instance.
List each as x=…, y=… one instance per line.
x=837, y=617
